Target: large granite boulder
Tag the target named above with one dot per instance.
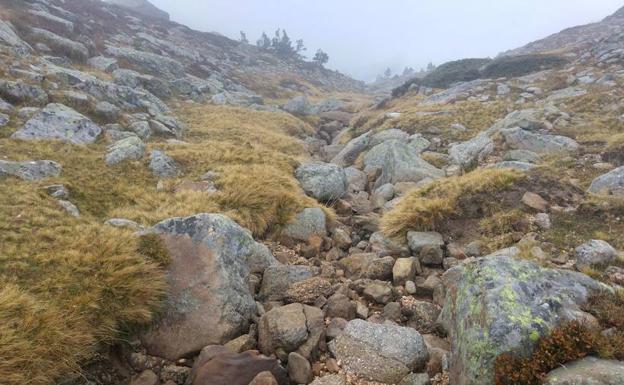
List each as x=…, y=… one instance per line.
x=399, y=162
x=611, y=183
x=130, y=148
x=498, y=304
x=519, y=139
x=588, y=371
x=468, y=154
x=208, y=301
x=324, y=181
x=383, y=353
x=30, y=170
x=59, y=122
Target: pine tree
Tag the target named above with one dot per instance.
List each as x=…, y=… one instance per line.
x=321, y=57
x=388, y=72
x=264, y=42
x=243, y=38
x=299, y=46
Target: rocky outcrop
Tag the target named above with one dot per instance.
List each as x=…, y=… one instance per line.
x=498, y=304
x=59, y=122
x=209, y=301
x=519, y=139
x=142, y=7
x=33, y=170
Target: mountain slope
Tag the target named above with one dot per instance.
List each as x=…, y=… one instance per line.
x=576, y=38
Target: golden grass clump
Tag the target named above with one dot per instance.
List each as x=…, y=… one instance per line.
x=66, y=284
x=428, y=207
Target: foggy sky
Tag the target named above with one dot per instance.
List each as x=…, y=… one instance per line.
x=363, y=37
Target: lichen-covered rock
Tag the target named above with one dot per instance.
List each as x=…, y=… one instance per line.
x=162, y=165
x=10, y=38
x=384, y=353
x=498, y=304
x=520, y=139
x=208, y=300
x=59, y=122
x=30, y=170
x=324, y=181
x=390, y=134
x=150, y=62
x=130, y=148
x=588, y=371
x=399, y=162
x=310, y=221
x=103, y=63
x=16, y=92
x=61, y=45
x=468, y=154
x=611, y=183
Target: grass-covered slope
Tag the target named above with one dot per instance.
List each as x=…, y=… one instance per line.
x=67, y=284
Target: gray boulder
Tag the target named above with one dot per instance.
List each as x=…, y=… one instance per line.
x=349, y=154
x=356, y=179
x=4, y=119
x=59, y=122
x=498, y=304
x=390, y=134
x=383, y=353
x=519, y=139
x=611, y=183
x=10, y=38
x=103, y=63
x=588, y=371
x=324, y=181
x=61, y=45
x=594, y=253
x=107, y=111
x=150, y=62
x=330, y=379
x=208, y=299
x=236, y=98
x=310, y=221
x=19, y=93
x=469, y=154
x=5, y=107
x=130, y=148
x=298, y=106
x=399, y=162
x=162, y=165
x=291, y=328
x=30, y=170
